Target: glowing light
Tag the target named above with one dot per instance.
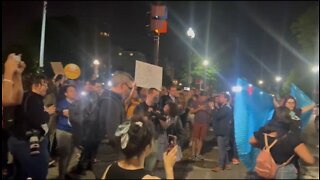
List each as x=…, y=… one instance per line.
x=131, y=54
x=83, y=93
x=191, y=33
x=236, y=89
x=120, y=54
x=315, y=69
x=205, y=63
x=278, y=78
x=250, y=85
x=109, y=83
x=260, y=82
x=228, y=92
x=261, y=92
x=96, y=62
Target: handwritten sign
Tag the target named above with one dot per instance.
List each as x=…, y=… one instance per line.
x=57, y=68
x=148, y=75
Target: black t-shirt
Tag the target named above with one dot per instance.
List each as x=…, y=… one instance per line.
x=283, y=149
x=116, y=172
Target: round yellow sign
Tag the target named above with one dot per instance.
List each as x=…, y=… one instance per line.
x=72, y=71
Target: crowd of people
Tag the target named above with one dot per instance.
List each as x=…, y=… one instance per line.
x=139, y=129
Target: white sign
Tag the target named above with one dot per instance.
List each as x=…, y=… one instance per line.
x=148, y=75
x=57, y=68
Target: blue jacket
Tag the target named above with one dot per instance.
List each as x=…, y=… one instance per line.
x=222, y=121
x=63, y=121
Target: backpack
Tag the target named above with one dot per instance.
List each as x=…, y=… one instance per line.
x=266, y=167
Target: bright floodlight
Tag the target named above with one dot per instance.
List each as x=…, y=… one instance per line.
x=205, y=62
x=191, y=33
x=109, y=83
x=315, y=69
x=278, y=78
x=96, y=62
x=260, y=82
x=250, y=85
x=236, y=89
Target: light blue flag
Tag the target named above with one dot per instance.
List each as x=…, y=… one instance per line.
x=253, y=108
x=302, y=100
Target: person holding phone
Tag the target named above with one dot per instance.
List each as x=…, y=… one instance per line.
x=136, y=144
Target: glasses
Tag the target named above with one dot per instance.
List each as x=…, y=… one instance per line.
x=130, y=88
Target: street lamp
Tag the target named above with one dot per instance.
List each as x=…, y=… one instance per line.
x=96, y=63
x=205, y=63
x=278, y=78
x=315, y=69
x=260, y=82
x=191, y=35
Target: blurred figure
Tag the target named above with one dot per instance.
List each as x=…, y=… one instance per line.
x=28, y=143
x=202, y=118
x=222, y=120
x=133, y=102
x=12, y=89
x=287, y=143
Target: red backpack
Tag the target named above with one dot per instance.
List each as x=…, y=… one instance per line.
x=266, y=167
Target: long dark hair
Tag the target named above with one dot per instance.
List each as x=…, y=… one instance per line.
x=139, y=137
x=281, y=122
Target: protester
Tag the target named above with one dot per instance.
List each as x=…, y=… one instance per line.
x=202, y=117
x=111, y=115
x=174, y=127
x=149, y=109
x=28, y=143
x=281, y=128
x=65, y=144
x=222, y=126
x=171, y=97
x=136, y=143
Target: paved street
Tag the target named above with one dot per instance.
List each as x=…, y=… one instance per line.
x=187, y=169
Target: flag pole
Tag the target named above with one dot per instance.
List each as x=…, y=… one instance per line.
x=43, y=34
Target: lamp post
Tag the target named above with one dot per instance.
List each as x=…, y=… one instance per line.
x=191, y=35
x=96, y=64
x=205, y=64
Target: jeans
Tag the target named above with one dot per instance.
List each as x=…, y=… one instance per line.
x=65, y=148
x=35, y=166
x=287, y=172
x=223, y=145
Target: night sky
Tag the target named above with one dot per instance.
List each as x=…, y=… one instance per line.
x=231, y=34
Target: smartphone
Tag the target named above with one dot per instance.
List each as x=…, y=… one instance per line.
x=172, y=140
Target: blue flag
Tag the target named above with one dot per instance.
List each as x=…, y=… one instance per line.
x=253, y=108
x=302, y=100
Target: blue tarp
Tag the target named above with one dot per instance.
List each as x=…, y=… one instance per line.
x=253, y=108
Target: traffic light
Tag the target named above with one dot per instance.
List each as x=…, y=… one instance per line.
x=158, y=16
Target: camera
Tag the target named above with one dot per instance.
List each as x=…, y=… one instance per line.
x=156, y=116
x=172, y=140
x=34, y=141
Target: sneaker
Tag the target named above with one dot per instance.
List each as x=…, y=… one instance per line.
x=193, y=158
x=235, y=161
x=52, y=163
x=217, y=169
x=199, y=158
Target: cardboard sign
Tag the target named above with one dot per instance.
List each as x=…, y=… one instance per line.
x=57, y=68
x=148, y=75
x=72, y=71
